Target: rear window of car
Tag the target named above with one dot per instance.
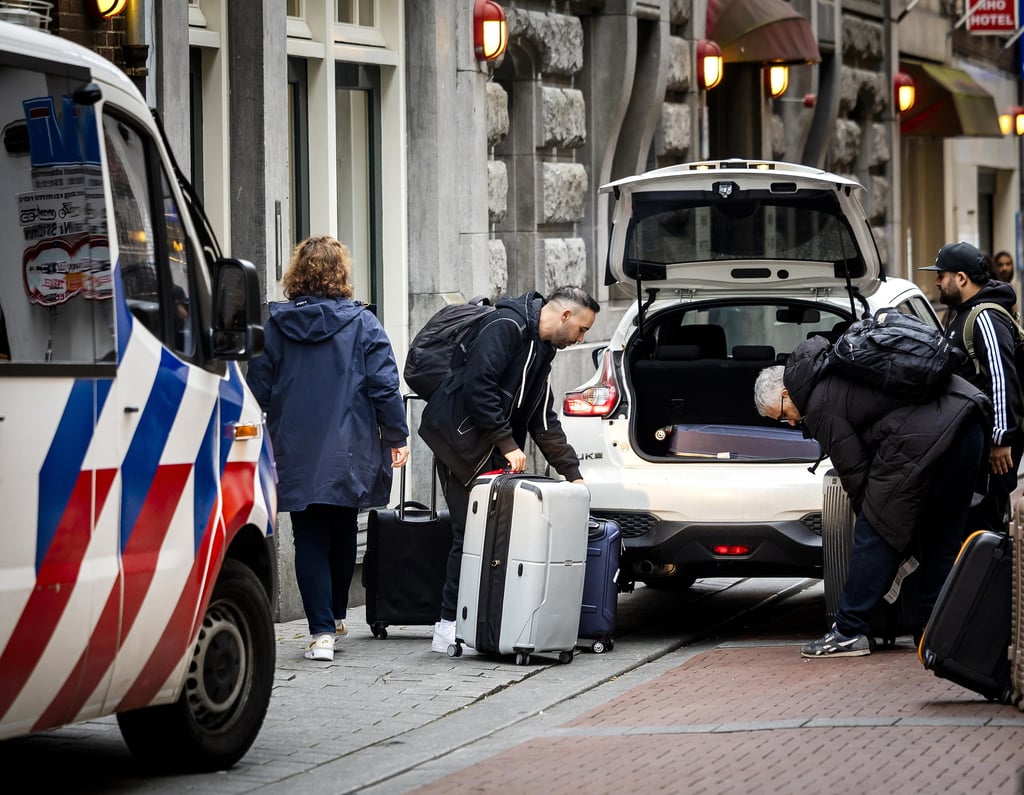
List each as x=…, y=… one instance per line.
x=700, y=226
x=776, y=326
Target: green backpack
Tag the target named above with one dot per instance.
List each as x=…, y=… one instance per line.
x=1018, y=345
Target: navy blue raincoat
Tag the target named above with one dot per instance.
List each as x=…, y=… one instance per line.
x=329, y=384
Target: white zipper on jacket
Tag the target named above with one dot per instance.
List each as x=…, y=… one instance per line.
x=548, y=396
x=526, y=369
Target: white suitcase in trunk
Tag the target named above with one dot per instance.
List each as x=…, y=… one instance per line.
x=523, y=556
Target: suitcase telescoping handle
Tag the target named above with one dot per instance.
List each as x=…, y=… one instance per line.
x=401, y=476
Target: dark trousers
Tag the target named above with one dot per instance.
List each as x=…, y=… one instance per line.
x=993, y=512
x=325, y=560
x=457, y=497
x=874, y=561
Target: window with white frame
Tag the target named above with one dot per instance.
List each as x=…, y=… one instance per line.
x=358, y=22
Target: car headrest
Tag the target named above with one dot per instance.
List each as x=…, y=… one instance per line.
x=710, y=338
x=752, y=353
x=677, y=353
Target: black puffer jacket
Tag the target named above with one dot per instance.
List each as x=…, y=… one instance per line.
x=487, y=407
x=882, y=447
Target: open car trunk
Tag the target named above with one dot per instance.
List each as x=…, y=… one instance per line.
x=693, y=370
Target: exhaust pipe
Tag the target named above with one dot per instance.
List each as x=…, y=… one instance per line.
x=647, y=568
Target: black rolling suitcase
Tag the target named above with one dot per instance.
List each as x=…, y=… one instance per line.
x=968, y=635
x=405, y=561
x=600, y=585
x=897, y=613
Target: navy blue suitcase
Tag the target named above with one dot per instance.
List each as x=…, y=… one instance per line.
x=601, y=585
x=967, y=638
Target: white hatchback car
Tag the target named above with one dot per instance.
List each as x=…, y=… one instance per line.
x=733, y=264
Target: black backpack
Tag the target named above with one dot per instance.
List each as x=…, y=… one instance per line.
x=896, y=352
x=442, y=337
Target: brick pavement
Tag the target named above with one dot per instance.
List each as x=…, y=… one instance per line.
x=760, y=719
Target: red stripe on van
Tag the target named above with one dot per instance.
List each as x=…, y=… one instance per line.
x=54, y=585
x=236, y=488
x=138, y=565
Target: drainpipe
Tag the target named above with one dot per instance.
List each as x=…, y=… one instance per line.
x=135, y=50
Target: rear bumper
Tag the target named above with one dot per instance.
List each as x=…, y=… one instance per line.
x=782, y=548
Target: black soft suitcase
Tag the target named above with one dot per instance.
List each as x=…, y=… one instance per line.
x=968, y=634
x=600, y=585
x=897, y=613
x=405, y=561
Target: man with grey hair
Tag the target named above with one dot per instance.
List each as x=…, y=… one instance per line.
x=908, y=468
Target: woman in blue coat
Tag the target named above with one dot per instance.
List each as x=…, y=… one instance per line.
x=328, y=383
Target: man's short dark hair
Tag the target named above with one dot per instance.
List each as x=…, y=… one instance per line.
x=576, y=296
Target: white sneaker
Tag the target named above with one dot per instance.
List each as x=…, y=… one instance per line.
x=321, y=647
x=340, y=632
x=444, y=636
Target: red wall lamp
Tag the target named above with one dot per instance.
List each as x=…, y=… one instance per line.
x=903, y=86
x=105, y=9
x=1012, y=121
x=490, y=30
x=709, y=64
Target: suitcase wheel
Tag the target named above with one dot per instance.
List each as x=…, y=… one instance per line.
x=565, y=657
x=455, y=650
x=522, y=658
x=379, y=630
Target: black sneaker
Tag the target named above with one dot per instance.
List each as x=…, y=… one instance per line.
x=835, y=644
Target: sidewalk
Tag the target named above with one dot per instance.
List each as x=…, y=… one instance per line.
x=755, y=717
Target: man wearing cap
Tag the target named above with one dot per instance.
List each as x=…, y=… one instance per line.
x=964, y=281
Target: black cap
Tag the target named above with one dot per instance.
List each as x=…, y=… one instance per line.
x=959, y=257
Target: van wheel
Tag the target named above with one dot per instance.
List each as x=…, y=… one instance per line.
x=227, y=689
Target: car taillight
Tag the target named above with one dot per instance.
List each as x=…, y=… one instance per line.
x=594, y=400
x=731, y=549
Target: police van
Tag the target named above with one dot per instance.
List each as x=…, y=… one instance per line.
x=136, y=477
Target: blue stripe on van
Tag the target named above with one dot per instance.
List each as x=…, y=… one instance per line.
x=206, y=480
x=143, y=457
x=63, y=462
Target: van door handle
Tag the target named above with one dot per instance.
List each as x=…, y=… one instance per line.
x=131, y=409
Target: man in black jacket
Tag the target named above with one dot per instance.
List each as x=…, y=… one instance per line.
x=479, y=418
x=964, y=281
x=907, y=468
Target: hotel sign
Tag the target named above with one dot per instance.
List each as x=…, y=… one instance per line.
x=992, y=17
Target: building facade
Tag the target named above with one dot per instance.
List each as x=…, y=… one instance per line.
x=450, y=177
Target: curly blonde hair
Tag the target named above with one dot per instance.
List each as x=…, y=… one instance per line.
x=320, y=266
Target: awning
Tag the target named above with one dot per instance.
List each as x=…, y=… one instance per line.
x=761, y=31
x=948, y=103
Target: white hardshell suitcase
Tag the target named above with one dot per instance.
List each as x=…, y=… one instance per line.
x=523, y=557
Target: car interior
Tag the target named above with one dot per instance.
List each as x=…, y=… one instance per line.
x=688, y=372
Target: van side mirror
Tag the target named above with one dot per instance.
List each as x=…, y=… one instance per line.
x=237, y=331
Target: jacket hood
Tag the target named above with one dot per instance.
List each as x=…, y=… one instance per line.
x=527, y=306
x=804, y=367
x=314, y=319
x=993, y=292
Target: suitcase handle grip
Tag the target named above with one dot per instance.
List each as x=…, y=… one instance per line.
x=402, y=503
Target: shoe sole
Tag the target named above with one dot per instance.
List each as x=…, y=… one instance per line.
x=321, y=656
x=467, y=651
x=853, y=653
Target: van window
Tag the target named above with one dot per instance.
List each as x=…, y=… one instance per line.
x=159, y=300
x=55, y=271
